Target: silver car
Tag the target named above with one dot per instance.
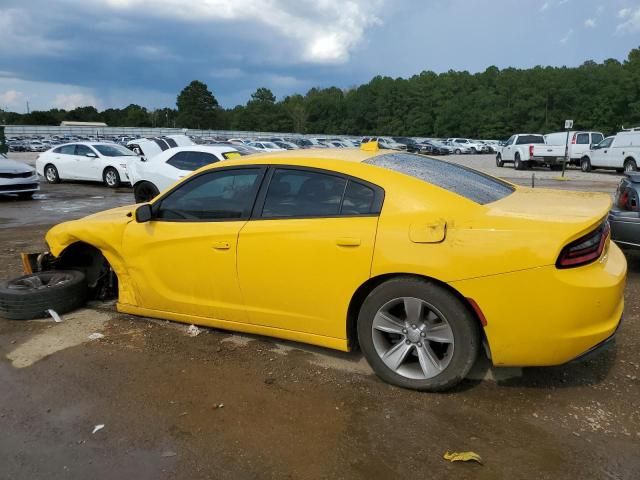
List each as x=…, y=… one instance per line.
x=17, y=178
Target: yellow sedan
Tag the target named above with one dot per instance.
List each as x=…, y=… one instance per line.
x=416, y=261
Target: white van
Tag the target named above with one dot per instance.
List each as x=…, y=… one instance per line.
x=620, y=152
x=579, y=143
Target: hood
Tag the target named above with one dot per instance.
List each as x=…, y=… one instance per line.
x=12, y=166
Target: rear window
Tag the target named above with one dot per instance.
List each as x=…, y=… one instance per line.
x=467, y=183
x=524, y=139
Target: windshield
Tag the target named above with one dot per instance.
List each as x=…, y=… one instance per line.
x=524, y=139
x=114, y=151
x=269, y=145
x=468, y=183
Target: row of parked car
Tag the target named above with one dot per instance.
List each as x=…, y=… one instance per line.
x=586, y=149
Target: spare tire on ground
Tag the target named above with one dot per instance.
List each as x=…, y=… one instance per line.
x=30, y=296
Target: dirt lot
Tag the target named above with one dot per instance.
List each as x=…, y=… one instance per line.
x=233, y=406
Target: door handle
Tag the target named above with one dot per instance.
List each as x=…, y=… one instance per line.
x=348, y=242
x=221, y=245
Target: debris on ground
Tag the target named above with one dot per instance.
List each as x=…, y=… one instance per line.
x=193, y=331
x=97, y=428
x=96, y=336
x=220, y=405
x=462, y=457
x=168, y=454
x=54, y=315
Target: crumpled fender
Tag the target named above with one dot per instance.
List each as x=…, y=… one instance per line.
x=104, y=231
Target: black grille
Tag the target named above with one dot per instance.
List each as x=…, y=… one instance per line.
x=16, y=175
x=14, y=188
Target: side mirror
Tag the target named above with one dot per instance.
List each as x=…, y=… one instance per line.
x=144, y=213
x=91, y=155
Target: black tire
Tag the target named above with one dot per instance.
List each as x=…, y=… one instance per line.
x=499, y=162
x=464, y=328
x=630, y=165
x=457, y=151
x=59, y=290
x=111, y=177
x=51, y=174
x=585, y=164
x=25, y=195
x=517, y=163
x=145, y=192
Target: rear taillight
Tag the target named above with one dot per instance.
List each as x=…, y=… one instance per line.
x=573, y=139
x=627, y=198
x=530, y=151
x=586, y=249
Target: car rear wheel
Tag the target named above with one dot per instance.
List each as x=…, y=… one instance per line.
x=111, y=177
x=417, y=335
x=630, y=165
x=499, y=161
x=518, y=164
x=145, y=192
x=51, y=174
x=30, y=296
x=457, y=151
x=585, y=164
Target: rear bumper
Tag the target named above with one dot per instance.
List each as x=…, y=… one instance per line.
x=545, y=316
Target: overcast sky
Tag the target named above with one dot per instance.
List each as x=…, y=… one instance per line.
x=110, y=53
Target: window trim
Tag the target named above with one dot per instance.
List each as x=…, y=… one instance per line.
x=378, y=201
x=155, y=206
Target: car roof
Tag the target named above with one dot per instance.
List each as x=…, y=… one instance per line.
x=353, y=155
x=203, y=148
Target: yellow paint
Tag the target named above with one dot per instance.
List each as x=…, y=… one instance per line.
x=294, y=278
x=371, y=146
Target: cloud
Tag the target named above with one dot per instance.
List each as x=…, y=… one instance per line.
x=10, y=98
x=19, y=35
x=590, y=23
x=632, y=23
x=544, y=7
x=324, y=31
x=74, y=100
x=567, y=37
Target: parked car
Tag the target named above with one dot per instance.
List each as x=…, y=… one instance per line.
x=471, y=145
x=433, y=148
x=579, y=143
x=36, y=146
x=624, y=217
x=620, y=152
x=150, y=147
x=266, y=146
x=17, y=178
x=519, y=150
x=457, y=148
x=98, y=162
x=286, y=145
x=300, y=247
x=385, y=142
x=150, y=177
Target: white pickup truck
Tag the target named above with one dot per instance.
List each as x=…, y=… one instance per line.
x=526, y=150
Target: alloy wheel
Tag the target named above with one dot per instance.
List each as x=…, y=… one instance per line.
x=412, y=338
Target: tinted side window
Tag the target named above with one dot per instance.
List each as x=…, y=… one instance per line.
x=83, y=150
x=525, y=139
x=358, y=199
x=299, y=193
x=582, y=139
x=606, y=143
x=222, y=195
x=510, y=141
x=596, y=138
x=191, y=161
x=66, y=149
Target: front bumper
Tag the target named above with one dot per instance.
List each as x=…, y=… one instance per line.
x=19, y=185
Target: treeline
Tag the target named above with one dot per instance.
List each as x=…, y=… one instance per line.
x=492, y=104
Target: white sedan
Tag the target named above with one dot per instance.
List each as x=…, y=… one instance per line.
x=101, y=162
x=151, y=176
x=18, y=178
x=266, y=146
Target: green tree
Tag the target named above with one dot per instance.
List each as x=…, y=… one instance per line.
x=197, y=107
